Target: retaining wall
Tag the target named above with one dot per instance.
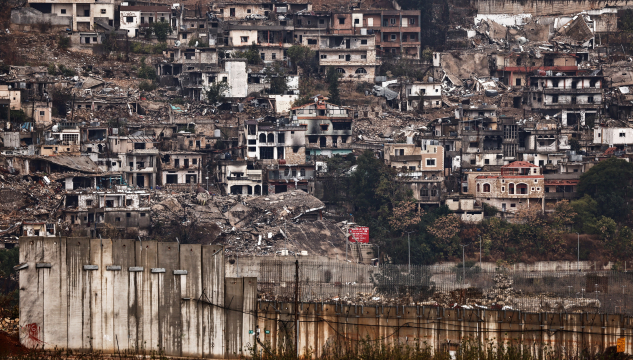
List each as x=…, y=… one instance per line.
x=124, y=295
x=442, y=329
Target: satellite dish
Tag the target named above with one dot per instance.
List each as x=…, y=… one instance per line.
x=177, y=44
x=196, y=45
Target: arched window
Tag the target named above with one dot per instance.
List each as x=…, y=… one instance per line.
x=262, y=138
x=340, y=70
x=303, y=172
x=486, y=187
x=361, y=71
x=424, y=191
x=478, y=189
x=511, y=188
x=271, y=138
x=434, y=191
x=522, y=189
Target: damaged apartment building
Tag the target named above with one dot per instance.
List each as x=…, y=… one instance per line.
x=508, y=109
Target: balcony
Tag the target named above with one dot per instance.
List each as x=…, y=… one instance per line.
x=560, y=90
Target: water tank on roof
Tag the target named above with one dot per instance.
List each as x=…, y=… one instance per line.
x=217, y=133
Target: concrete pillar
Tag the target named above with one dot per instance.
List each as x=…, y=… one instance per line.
x=74, y=17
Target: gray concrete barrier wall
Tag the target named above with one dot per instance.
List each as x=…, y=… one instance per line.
x=442, y=329
x=125, y=295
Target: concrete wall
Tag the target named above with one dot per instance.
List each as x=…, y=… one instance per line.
x=109, y=295
x=30, y=16
x=442, y=329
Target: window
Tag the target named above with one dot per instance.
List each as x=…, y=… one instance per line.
x=356, y=21
x=321, y=21
x=263, y=56
x=88, y=202
x=363, y=42
x=363, y=57
x=142, y=214
x=472, y=162
x=486, y=187
x=274, y=56
x=128, y=214
x=248, y=11
x=411, y=21
x=225, y=79
x=503, y=188
x=513, y=205
x=393, y=37
x=392, y=21
x=244, y=39
x=518, y=82
x=430, y=162
x=340, y=70
x=312, y=42
x=511, y=189
x=341, y=21
x=184, y=35
x=341, y=57
x=128, y=19
x=554, y=99
x=487, y=161
x=622, y=134
x=103, y=11
x=41, y=113
x=94, y=39
x=590, y=99
x=361, y=71
x=117, y=219
x=323, y=56
x=522, y=189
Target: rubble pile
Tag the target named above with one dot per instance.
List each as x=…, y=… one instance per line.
x=10, y=326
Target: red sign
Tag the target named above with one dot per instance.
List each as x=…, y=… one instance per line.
x=359, y=234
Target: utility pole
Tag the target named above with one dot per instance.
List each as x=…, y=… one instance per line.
x=578, y=261
x=409, y=243
x=480, y=268
x=463, y=262
x=297, y=308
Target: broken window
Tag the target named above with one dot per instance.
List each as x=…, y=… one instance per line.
x=266, y=152
x=244, y=39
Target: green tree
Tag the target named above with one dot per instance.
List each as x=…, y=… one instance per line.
x=161, y=29
x=609, y=183
x=63, y=42
x=586, y=209
x=146, y=71
x=302, y=56
x=215, y=92
x=332, y=80
x=277, y=78
x=575, y=145
x=252, y=55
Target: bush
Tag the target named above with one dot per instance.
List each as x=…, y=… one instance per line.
x=201, y=43
x=44, y=26
x=146, y=71
x=147, y=86
x=68, y=72
x=52, y=70
x=140, y=48
x=63, y=42
x=161, y=29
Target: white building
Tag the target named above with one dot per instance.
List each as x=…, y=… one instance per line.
x=134, y=18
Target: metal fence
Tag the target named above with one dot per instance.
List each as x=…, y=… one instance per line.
x=565, y=291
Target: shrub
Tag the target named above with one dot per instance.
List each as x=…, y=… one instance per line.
x=147, y=86
x=44, y=26
x=68, y=72
x=52, y=70
x=201, y=44
x=63, y=42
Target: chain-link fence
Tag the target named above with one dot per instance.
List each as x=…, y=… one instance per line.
x=566, y=291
